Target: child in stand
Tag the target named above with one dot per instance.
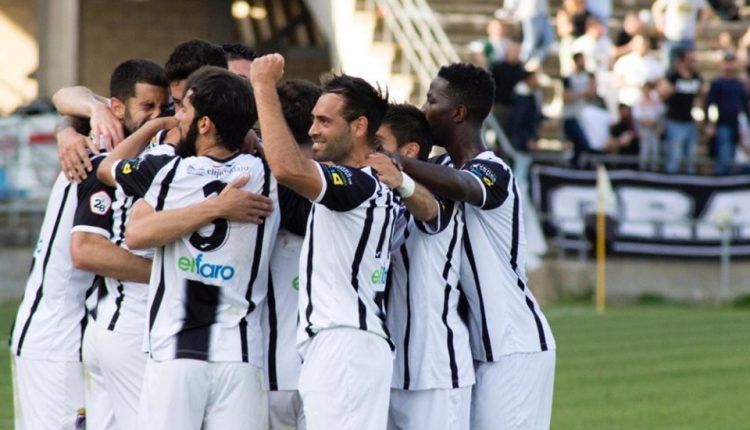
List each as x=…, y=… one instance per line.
x=648, y=113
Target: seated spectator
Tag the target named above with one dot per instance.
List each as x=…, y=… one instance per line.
x=506, y=75
x=728, y=94
x=680, y=21
x=633, y=70
x=623, y=137
x=491, y=50
x=580, y=91
x=648, y=113
x=595, y=46
x=538, y=35
x=631, y=26
x=680, y=90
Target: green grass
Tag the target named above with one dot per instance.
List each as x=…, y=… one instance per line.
x=645, y=367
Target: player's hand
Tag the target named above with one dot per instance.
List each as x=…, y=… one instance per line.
x=267, y=69
x=71, y=151
x=243, y=206
x=106, y=129
x=388, y=171
x=164, y=123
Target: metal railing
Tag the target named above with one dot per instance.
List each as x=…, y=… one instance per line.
x=425, y=47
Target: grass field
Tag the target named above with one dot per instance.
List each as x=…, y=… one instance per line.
x=635, y=368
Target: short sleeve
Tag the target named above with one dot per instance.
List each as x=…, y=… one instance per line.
x=443, y=219
x=494, y=179
x=94, y=211
x=344, y=188
x=295, y=210
x=136, y=175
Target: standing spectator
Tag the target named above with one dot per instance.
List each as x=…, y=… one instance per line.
x=595, y=46
x=525, y=120
x=631, y=26
x=580, y=90
x=648, y=113
x=506, y=75
x=576, y=14
x=728, y=94
x=537, y=32
x=492, y=50
x=680, y=21
x=602, y=9
x=680, y=89
x=633, y=70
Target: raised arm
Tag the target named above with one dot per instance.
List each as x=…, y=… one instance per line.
x=84, y=103
x=443, y=180
x=288, y=164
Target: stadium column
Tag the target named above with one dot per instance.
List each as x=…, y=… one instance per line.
x=57, y=35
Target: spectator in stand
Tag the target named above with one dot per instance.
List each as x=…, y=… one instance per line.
x=680, y=21
x=623, y=137
x=526, y=118
x=564, y=26
x=576, y=14
x=580, y=90
x=728, y=94
x=631, y=26
x=680, y=90
x=596, y=47
x=602, y=9
x=492, y=50
x=537, y=32
x=648, y=113
x=633, y=70
x=506, y=75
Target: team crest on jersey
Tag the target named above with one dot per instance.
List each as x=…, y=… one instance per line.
x=100, y=202
x=130, y=165
x=340, y=175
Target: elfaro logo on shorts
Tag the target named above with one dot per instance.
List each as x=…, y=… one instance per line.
x=204, y=269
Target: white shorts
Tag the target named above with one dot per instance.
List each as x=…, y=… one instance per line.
x=114, y=365
x=438, y=409
x=198, y=395
x=345, y=380
x=514, y=392
x=47, y=394
x=285, y=410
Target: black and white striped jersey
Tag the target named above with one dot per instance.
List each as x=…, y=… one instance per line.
x=432, y=341
x=205, y=287
x=121, y=305
x=52, y=315
x=346, y=254
x=504, y=315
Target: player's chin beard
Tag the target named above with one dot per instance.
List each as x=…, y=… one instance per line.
x=186, y=147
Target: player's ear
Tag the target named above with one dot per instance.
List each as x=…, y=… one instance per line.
x=205, y=125
x=359, y=128
x=411, y=150
x=460, y=114
x=117, y=107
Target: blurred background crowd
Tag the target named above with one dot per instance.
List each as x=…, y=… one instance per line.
x=660, y=88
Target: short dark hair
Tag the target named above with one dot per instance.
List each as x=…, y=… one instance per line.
x=680, y=53
x=298, y=97
x=128, y=73
x=360, y=99
x=227, y=100
x=190, y=56
x=408, y=124
x=471, y=86
x=238, y=51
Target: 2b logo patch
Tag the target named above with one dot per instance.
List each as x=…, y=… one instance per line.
x=100, y=202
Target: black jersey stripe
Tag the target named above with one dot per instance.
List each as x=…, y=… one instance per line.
x=407, y=329
x=473, y=265
x=273, y=383
x=308, y=268
x=40, y=289
x=243, y=340
x=358, y=254
x=158, y=295
x=446, y=302
x=514, y=265
x=201, y=306
x=384, y=230
x=165, y=184
x=258, y=252
x=118, y=306
x=123, y=219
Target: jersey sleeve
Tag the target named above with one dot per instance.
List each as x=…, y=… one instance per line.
x=344, y=188
x=494, y=180
x=294, y=211
x=136, y=175
x=94, y=211
x=442, y=220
